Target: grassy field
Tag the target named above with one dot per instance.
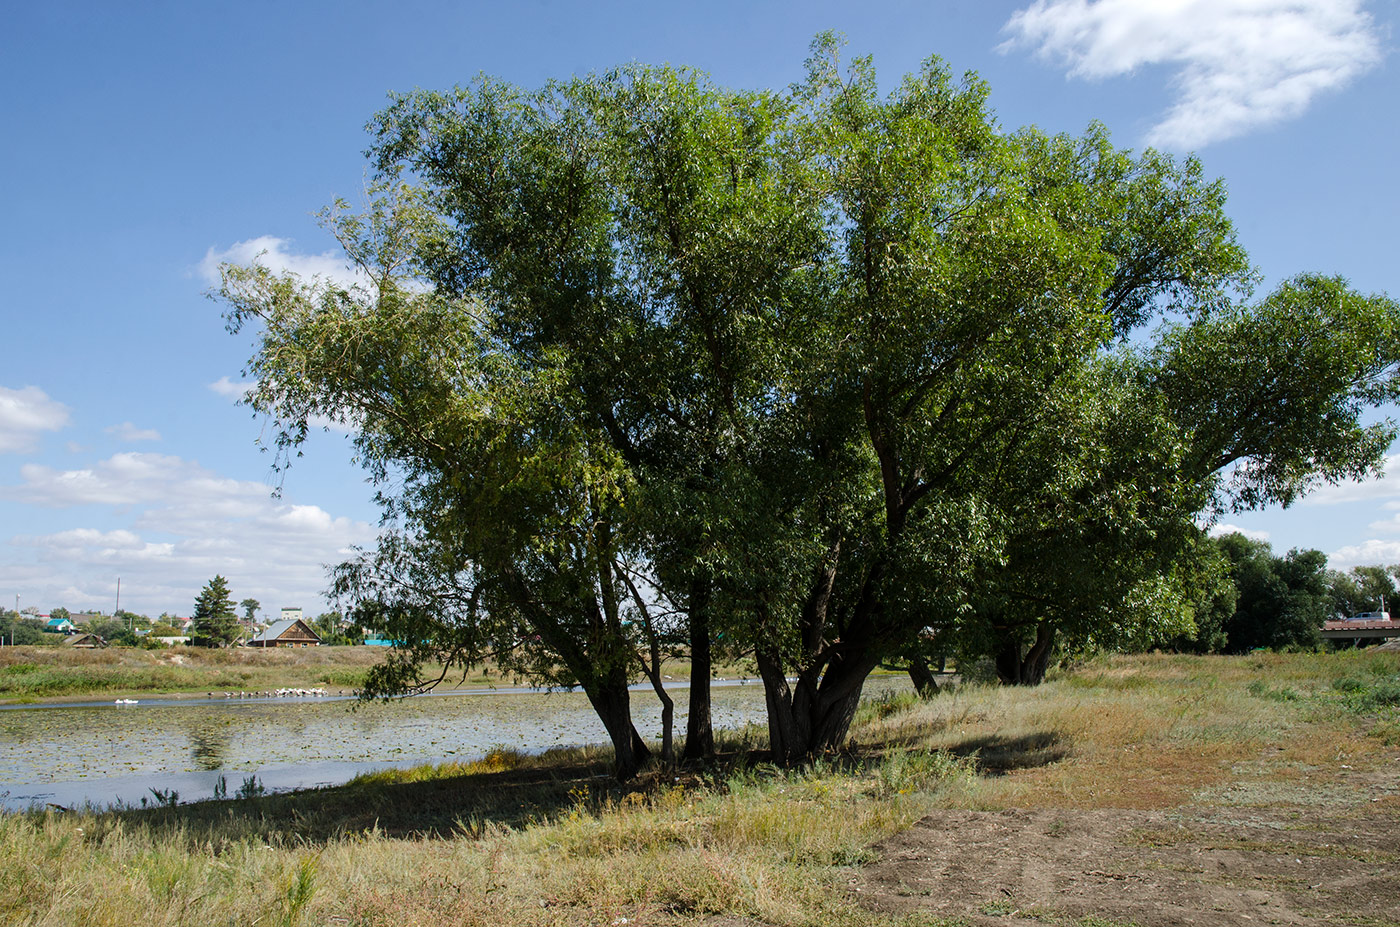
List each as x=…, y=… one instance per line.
x=32, y=674
x=35, y=673
x=552, y=841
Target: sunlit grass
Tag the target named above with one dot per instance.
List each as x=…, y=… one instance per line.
x=515, y=839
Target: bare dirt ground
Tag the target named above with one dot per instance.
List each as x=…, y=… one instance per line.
x=1193, y=865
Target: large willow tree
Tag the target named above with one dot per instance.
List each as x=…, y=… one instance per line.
x=810, y=374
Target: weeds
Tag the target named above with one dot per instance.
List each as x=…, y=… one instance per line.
x=300, y=886
x=164, y=798
x=529, y=840
x=251, y=788
x=1281, y=694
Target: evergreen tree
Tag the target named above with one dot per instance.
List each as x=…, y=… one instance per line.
x=215, y=621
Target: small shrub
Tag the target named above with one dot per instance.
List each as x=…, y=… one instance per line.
x=165, y=798
x=1281, y=694
x=907, y=771
x=251, y=788
x=888, y=703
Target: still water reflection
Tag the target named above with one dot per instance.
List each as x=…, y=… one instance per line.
x=104, y=753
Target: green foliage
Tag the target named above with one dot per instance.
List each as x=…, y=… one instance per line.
x=333, y=629
x=816, y=375
x=1364, y=589
x=1282, y=601
x=20, y=630
x=1273, y=394
x=1369, y=696
x=114, y=631
x=1280, y=694
x=215, y=622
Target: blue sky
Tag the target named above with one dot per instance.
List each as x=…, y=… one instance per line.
x=144, y=142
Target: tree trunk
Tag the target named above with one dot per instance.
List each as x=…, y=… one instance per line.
x=1013, y=669
x=810, y=717
x=921, y=674
x=789, y=727
x=699, y=734
x=610, y=701
x=837, y=701
x=668, y=707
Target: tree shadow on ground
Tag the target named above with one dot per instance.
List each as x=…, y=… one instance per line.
x=452, y=806
x=478, y=803
x=996, y=754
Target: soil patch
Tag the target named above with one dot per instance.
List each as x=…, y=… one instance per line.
x=1197, y=865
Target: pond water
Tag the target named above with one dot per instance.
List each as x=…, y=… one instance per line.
x=103, y=753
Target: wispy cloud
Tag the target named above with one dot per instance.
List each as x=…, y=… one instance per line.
x=127, y=479
x=178, y=525
x=1222, y=530
x=230, y=389
x=1368, y=553
x=272, y=253
x=1238, y=64
x=1373, y=490
x=23, y=414
x=1386, y=526
x=126, y=431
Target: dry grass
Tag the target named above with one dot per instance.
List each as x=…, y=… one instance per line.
x=554, y=842
x=31, y=674
x=34, y=673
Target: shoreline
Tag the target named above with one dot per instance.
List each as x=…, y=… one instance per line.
x=339, y=694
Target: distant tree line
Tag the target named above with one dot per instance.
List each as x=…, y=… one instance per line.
x=1281, y=602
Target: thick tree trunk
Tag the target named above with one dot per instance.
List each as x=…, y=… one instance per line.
x=699, y=734
x=789, y=727
x=837, y=700
x=1015, y=669
x=611, y=702
x=923, y=678
x=810, y=717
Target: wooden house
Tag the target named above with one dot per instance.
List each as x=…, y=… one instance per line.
x=287, y=633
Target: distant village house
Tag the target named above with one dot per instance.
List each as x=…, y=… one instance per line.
x=289, y=632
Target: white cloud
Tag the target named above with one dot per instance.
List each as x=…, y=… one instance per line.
x=272, y=253
x=1381, y=488
x=1367, y=553
x=1239, y=64
x=126, y=479
x=126, y=431
x=1222, y=530
x=24, y=413
x=231, y=390
x=179, y=525
x=1388, y=526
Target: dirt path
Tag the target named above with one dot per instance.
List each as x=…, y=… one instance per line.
x=1217, y=866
